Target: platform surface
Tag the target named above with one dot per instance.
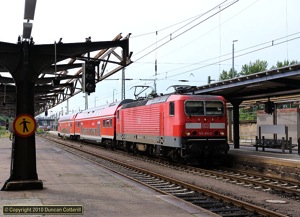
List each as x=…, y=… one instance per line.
x=71, y=180
x=272, y=155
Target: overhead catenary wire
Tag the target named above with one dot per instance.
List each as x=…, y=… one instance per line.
x=171, y=35
x=246, y=51
x=229, y=58
x=212, y=29
x=194, y=18
x=256, y=47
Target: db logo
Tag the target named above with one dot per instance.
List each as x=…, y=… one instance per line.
x=205, y=125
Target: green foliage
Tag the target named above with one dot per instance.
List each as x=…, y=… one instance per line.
x=254, y=67
x=226, y=75
x=2, y=118
x=251, y=68
x=3, y=132
x=248, y=114
x=39, y=130
x=280, y=64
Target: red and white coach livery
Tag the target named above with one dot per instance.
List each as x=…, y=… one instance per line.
x=66, y=126
x=175, y=126
x=98, y=124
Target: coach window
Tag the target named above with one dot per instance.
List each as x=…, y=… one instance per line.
x=172, y=108
x=110, y=122
x=107, y=123
x=103, y=123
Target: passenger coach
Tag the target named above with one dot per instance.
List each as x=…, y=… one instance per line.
x=95, y=125
x=66, y=126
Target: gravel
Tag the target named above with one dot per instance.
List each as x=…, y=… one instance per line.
x=269, y=201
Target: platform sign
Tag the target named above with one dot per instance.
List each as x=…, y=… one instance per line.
x=24, y=125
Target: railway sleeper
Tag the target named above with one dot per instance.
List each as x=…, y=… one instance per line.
x=208, y=204
x=224, y=210
x=169, y=188
x=178, y=194
x=237, y=213
x=174, y=191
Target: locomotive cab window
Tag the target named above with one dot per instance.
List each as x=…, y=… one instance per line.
x=214, y=108
x=194, y=108
x=172, y=109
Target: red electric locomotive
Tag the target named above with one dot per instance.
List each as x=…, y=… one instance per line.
x=174, y=126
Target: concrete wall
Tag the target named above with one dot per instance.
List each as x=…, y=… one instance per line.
x=289, y=117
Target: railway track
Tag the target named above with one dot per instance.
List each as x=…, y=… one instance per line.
x=282, y=187
x=214, y=202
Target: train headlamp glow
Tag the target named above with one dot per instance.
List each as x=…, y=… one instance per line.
x=188, y=133
x=222, y=133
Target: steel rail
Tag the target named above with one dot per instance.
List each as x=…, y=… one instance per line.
x=247, y=180
x=238, y=203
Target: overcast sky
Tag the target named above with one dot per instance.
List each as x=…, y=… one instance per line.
x=265, y=29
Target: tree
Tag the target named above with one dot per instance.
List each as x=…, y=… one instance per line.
x=280, y=64
x=251, y=68
x=257, y=66
x=226, y=75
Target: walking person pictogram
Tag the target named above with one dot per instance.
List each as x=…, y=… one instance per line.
x=24, y=122
x=24, y=125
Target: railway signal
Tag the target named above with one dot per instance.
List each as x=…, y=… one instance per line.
x=89, y=72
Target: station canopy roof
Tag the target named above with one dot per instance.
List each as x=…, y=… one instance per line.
x=61, y=80
x=279, y=85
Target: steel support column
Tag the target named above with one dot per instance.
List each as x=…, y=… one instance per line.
x=25, y=61
x=23, y=174
x=229, y=112
x=236, y=123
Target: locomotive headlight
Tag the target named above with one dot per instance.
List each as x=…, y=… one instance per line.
x=222, y=133
x=188, y=133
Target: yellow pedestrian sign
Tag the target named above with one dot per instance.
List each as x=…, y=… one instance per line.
x=24, y=125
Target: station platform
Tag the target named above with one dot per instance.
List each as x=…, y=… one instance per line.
x=249, y=150
x=71, y=180
x=270, y=162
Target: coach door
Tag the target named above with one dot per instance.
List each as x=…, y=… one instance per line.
x=98, y=128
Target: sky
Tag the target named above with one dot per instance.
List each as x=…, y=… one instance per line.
x=190, y=40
